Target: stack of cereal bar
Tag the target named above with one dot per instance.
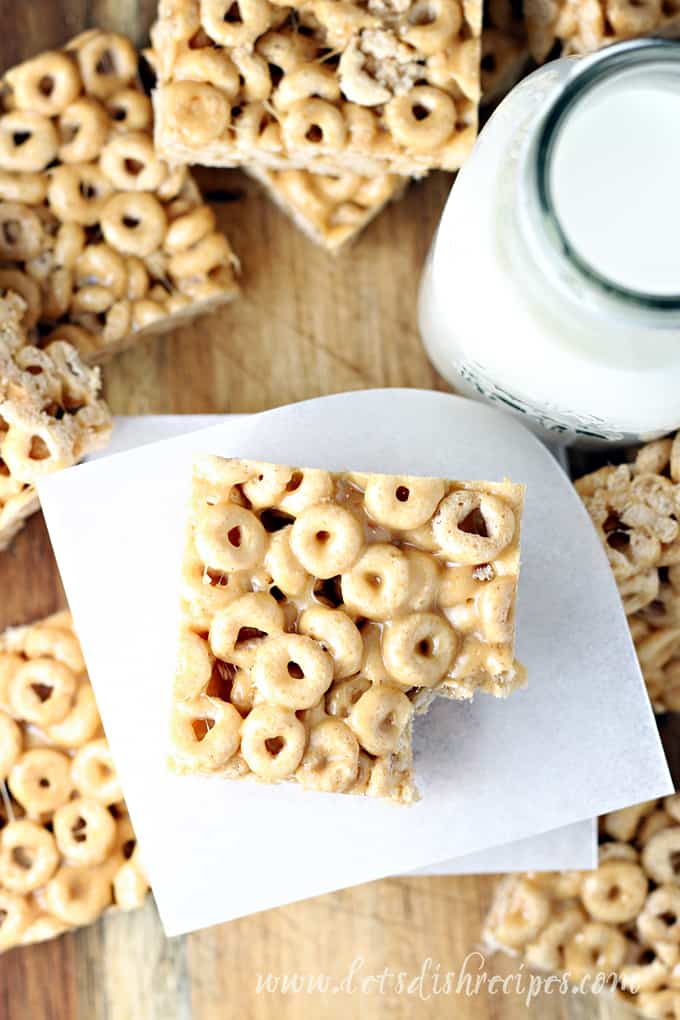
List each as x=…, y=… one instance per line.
x=320, y=611
x=636, y=509
x=67, y=849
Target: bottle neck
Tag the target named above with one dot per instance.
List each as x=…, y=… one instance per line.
x=597, y=190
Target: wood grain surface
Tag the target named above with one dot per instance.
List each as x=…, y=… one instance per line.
x=307, y=324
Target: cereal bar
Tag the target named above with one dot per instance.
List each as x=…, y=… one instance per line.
x=622, y=920
x=635, y=508
x=320, y=610
x=331, y=210
x=583, y=26
x=50, y=415
x=333, y=86
x=103, y=240
x=67, y=848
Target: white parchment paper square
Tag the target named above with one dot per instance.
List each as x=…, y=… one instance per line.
x=579, y=742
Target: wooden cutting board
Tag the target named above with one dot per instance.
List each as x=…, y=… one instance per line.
x=307, y=324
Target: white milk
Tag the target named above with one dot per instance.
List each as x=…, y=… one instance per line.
x=507, y=313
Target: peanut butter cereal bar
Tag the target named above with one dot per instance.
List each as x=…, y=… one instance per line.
x=104, y=242
x=316, y=607
x=50, y=415
x=583, y=26
x=331, y=210
x=636, y=508
x=333, y=86
x=622, y=920
x=67, y=848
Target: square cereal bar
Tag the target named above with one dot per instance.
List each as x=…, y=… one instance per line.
x=104, y=242
x=330, y=210
x=317, y=607
x=359, y=86
x=635, y=508
x=50, y=415
x=619, y=921
x=67, y=848
x=583, y=26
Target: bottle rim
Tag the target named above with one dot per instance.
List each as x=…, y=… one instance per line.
x=587, y=74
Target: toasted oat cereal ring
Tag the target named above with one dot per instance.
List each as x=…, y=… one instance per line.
x=146, y=313
x=11, y=743
x=41, y=780
x=208, y=64
x=137, y=278
x=473, y=527
x=21, y=232
x=242, y=694
x=77, y=895
x=310, y=125
x=402, y=502
x=29, y=189
x=596, y=948
x=77, y=193
x=422, y=119
x=197, y=112
x=130, y=110
x=526, y=910
x=108, y=62
x=343, y=696
x=331, y=759
x=418, y=649
x=659, y=920
x=292, y=670
x=15, y=915
x=496, y=606
x=327, y=539
x=229, y=537
x=253, y=18
x=194, y=665
x=672, y=806
x=43, y=928
x=69, y=244
x=57, y=293
x=272, y=742
x=131, y=164
x=254, y=73
x=129, y=886
x=431, y=24
x=42, y=691
x=623, y=824
x=617, y=852
x=80, y=724
x=337, y=635
x=661, y=856
x=28, y=856
x=379, y=719
x=615, y=892
x=267, y=483
x=27, y=289
x=561, y=885
x=357, y=83
x=423, y=579
x=83, y=340
x=237, y=630
x=85, y=831
x=287, y=574
x=377, y=585
x=206, y=255
x=304, y=488
x=100, y=265
x=305, y=81
x=45, y=84
x=183, y=233
x=83, y=129
x=134, y=223
x=94, y=774
x=28, y=142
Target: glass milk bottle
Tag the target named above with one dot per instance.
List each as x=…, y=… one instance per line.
x=552, y=287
